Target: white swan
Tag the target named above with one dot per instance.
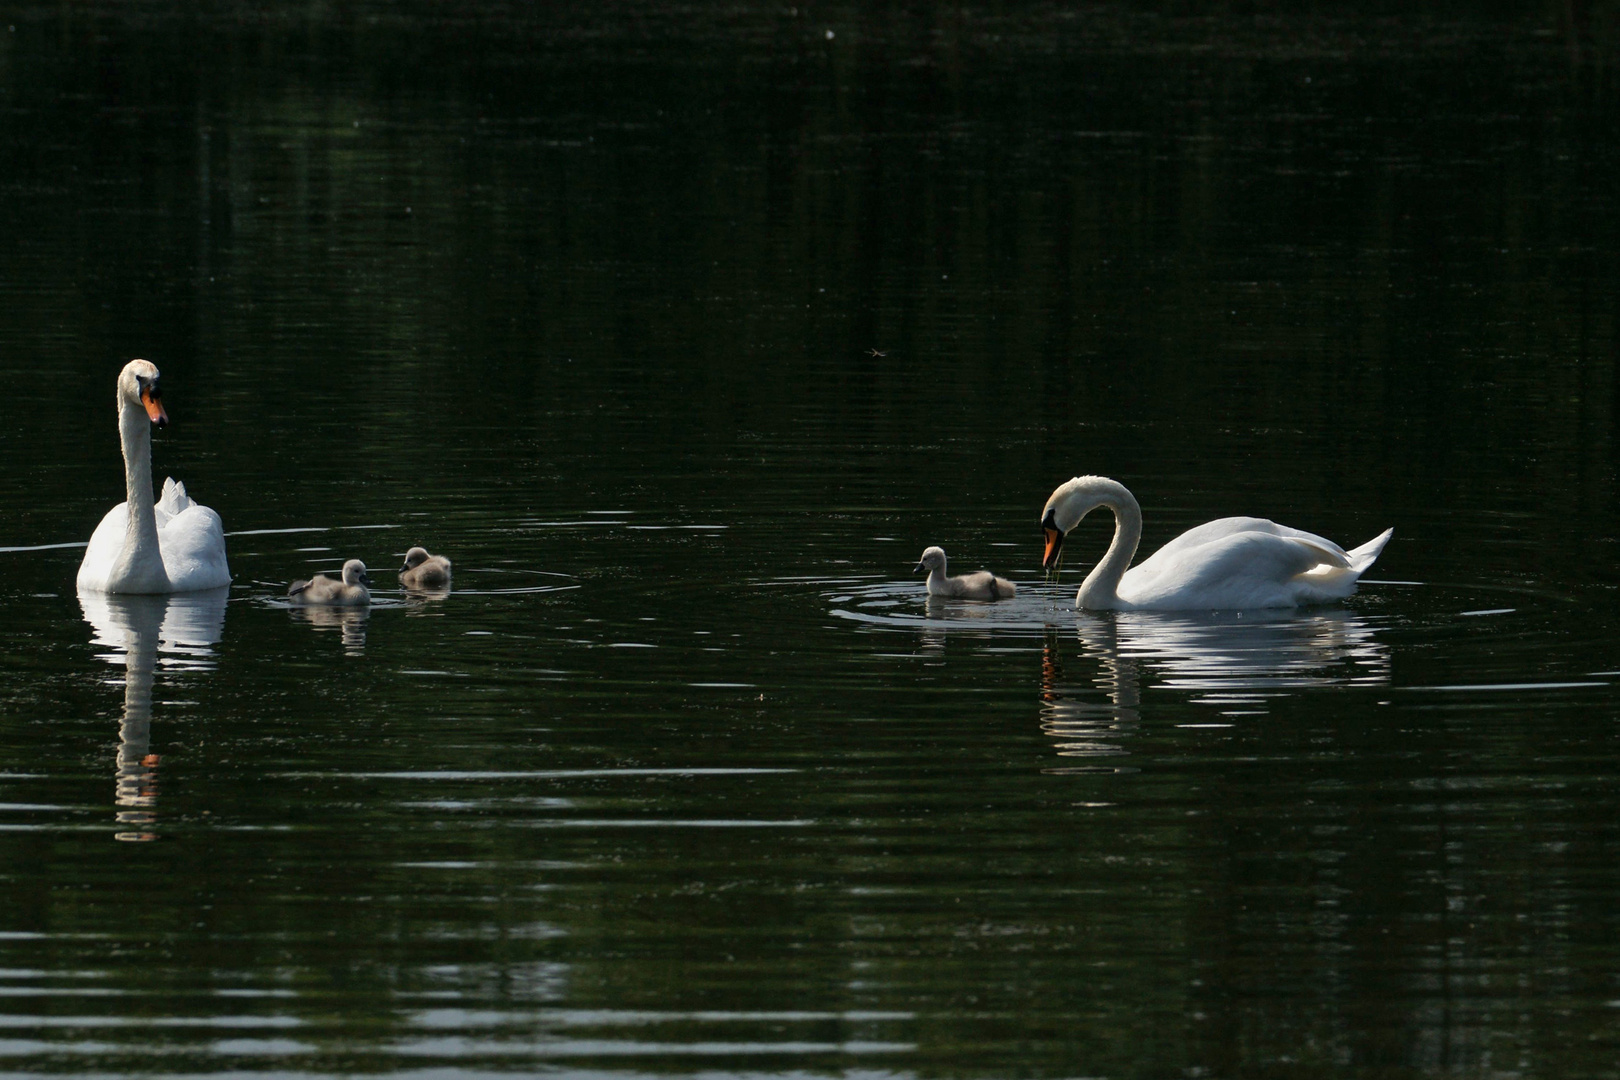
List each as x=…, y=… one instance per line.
x=174, y=546
x=980, y=586
x=424, y=571
x=1229, y=563
x=329, y=592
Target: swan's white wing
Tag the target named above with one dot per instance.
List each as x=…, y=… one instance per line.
x=1220, y=528
x=106, y=544
x=1238, y=568
x=193, y=546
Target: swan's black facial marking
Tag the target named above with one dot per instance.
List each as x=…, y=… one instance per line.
x=152, y=398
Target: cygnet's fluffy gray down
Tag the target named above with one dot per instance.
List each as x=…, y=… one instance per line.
x=424, y=571
x=329, y=592
x=981, y=586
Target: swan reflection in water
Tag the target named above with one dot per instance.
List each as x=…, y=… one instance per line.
x=348, y=621
x=1234, y=661
x=176, y=632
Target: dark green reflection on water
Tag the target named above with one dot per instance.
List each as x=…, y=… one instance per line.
x=683, y=331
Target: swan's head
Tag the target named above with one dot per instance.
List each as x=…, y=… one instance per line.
x=138, y=382
x=354, y=573
x=414, y=558
x=932, y=559
x=1069, y=504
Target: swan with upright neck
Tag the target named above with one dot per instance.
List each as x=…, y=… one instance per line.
x=172, y=545
x=1229, y=563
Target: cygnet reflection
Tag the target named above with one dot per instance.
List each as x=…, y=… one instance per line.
x=176, y=632
x=350, y=622
x=961, y=612
x=421, y=600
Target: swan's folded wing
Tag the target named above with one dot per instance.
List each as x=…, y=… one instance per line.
x=193, y=547
x=106, y=545
x=1202, y=536
x=1252, y=568
x=1334, y=555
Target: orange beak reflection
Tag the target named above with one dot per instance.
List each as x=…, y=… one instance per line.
x=154, y=407
x=1054, y=543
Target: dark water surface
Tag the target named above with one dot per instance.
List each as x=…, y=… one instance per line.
x=683, y=331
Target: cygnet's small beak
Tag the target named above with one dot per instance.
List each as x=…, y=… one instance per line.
x=916, y=568
x=365, y=579
x=152, y=398
x=404, y=568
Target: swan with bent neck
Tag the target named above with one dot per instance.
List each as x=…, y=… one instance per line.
x=171, y=546
x=1229, y=563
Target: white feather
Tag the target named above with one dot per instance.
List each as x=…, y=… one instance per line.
x=175, y=545
x=1229, y=563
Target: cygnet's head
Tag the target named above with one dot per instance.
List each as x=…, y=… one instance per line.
x=414, y=558
x=932, y=559
x=354, y=573
x=138, y=383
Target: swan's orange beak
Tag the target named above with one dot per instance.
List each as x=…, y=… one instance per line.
x=1054, y=544
x=152, y=399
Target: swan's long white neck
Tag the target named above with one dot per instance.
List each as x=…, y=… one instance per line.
x=140, y=566
x=1072, y=502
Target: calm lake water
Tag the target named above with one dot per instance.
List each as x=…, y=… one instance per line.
x=683, y=330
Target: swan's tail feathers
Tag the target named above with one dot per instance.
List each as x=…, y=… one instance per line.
x=174, y=498
x=1365, y=555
